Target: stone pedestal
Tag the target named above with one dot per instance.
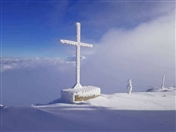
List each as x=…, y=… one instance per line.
x=80, y=94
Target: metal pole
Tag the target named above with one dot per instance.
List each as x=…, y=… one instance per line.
x=163, y=82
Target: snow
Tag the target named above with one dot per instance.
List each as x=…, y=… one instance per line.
x=136, y=101
x=163, y=89
x=85, y=91
x=139, y=111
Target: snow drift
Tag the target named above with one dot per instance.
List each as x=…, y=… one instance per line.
x=140, y=111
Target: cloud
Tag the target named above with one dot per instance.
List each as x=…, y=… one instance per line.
x=73, y=58
x=123, y=14
x=34, y=80
x=143, y=53
x=99, y=17
x=32, y=63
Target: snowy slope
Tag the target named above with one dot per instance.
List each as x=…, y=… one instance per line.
x=137, y=101
x=149, y=111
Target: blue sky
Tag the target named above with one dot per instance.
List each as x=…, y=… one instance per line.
x=34, y=28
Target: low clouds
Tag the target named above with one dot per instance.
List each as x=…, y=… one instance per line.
x=143, y=53
x=34, y=80
x=73, y=58
x=34, y=63
x=31, y=63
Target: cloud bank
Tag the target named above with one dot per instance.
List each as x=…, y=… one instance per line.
x=142, y=54
x=34, y=80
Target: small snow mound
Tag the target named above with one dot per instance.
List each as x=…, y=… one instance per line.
x=100, y=101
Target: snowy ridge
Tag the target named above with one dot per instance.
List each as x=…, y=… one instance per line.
x=164, y=89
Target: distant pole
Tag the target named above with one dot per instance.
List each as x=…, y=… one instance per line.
x=163, y=82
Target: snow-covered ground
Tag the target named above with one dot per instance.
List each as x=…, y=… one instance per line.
x=140, y=111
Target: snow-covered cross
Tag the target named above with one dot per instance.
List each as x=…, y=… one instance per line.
x=78, y=44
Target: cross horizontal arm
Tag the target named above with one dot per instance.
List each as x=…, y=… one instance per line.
x=86, y=45
x=75, y=43
x=68, y=42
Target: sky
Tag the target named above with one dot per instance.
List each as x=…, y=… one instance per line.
x=34, y=28
x=131, y=40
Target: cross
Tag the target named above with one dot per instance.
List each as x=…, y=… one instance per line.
x=78, y=44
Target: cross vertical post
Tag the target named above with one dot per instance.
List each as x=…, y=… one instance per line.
x=78, y=55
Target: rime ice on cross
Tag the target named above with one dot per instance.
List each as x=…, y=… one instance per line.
x=77, y=44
